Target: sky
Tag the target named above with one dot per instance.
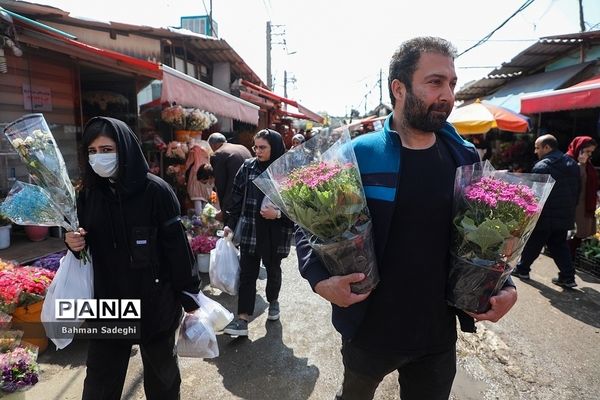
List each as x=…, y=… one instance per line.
x=333, y=51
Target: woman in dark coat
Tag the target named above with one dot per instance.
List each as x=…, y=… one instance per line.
x=130, y=225
x=266, y=232
x=581, y=149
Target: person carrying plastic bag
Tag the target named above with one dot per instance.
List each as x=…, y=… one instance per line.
x=224, y=267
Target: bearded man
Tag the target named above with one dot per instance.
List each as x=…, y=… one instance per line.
x=407, y=170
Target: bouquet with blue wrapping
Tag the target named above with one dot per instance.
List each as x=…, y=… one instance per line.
x=35, y=145
x=317, y=185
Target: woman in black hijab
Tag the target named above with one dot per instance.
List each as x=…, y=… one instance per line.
x=266, y=232
x=130, y=224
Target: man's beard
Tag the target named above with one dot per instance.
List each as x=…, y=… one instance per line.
x=418, y=116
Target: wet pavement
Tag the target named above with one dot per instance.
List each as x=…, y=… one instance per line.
x=547, y=347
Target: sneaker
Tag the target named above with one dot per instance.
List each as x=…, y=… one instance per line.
x=565, y=284
x=273, y=311
x=237, y=327
x=519, y=274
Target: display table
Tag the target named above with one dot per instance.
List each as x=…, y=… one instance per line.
x=24, y=251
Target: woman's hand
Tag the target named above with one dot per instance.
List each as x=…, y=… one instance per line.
x=227, y=231
x=269, y=213
x=76, y=240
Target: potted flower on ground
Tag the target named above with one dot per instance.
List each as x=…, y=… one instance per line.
x=19, y=370
x=201, y=246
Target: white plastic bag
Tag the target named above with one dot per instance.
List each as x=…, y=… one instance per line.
x=224, y=269
x=73, y=280
x=217, y=315
x=196, y=337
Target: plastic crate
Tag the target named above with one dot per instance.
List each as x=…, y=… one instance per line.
x=582, y=263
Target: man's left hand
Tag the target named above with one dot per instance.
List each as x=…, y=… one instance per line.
x=501, y=304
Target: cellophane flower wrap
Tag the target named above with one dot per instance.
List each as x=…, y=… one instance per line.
x=494, y=215
x=53, y=192
x=317, y=185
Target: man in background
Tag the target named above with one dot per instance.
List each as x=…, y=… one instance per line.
x=558, y=215
x=225, y=161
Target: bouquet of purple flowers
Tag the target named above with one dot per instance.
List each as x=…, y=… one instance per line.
x=19, y=369
x=317, y=185
x=494, y=214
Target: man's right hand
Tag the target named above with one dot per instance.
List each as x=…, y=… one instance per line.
x=336, y=289
x=76, y=240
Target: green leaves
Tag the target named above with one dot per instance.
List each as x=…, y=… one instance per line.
x=488, y=236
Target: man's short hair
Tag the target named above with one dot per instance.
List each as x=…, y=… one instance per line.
x=216, y=138
x=548, y=140
x=404, y=61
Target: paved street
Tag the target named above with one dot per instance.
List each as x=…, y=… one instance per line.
x=547, y=348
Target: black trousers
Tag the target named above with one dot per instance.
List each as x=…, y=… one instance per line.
x=249, y=269
x=107, y=362
x=556, y=241
x=421, y=377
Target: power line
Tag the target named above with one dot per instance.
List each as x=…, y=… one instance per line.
x=205, y=8
x=488, y=36
x=267, y=9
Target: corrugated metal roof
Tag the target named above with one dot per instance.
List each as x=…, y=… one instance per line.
x=509, y=95
x=212, y=49
x=530, y=61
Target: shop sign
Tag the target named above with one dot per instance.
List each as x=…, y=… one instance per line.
x=37, y=98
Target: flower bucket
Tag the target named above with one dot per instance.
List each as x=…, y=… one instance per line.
x=182, y=135
x=28, y=319
x=196, y=135
x=203, y=261
x=36, y=233
x=4, y=236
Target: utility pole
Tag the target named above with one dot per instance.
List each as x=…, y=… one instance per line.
x=269, y=77
x=581, y=20
x=210, y=23
x=380, y=86
x=285, y=83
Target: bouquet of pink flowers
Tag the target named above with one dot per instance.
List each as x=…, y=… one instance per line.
x=22, y=286
x=10, y=292
x=318, y=186
x=203, y=244
x=19, y=369
x=174, y=116
x=495, y=212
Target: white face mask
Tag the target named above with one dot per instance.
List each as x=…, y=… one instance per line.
x=105, y=164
